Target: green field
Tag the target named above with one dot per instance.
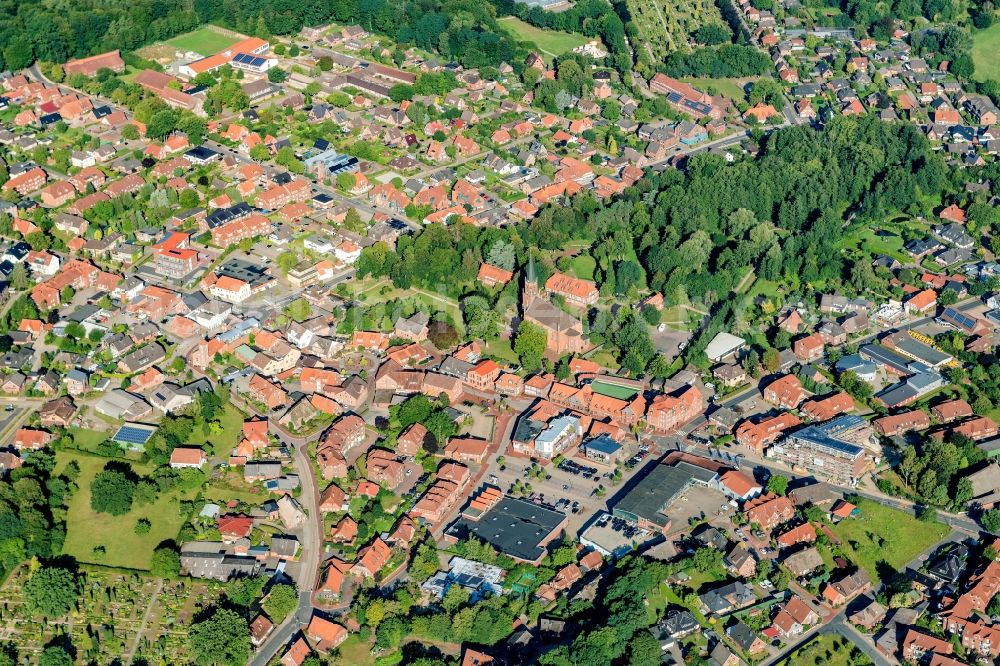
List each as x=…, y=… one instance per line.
x=612, y=390
x=882, y=540
x=87, y=529
x=731, y=88
x=550, y=42
x=87, y=440
x=985, y=44
x=204, y=40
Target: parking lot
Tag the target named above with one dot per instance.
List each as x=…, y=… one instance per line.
x=570, y=487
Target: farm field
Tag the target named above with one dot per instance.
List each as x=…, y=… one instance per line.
x=87, y=529
x=550, y=42
x=985, y=44
x=882, y=539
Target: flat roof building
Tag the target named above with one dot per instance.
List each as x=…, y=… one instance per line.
x=515, y=527
x=647, y=502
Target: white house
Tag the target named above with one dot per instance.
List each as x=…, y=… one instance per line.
x=230, y=289
x=186, y=456
x=347, y=252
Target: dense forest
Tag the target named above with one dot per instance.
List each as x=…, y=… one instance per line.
x=693, y=235
x=58, y=31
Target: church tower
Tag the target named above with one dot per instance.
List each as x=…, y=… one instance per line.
x=529, y=288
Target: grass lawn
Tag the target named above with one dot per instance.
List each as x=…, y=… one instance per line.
x=204, y=40
x=223, y=491
x=583, y=266
x=356, y=651
x=87, y=529
x=680, y=318
x=501, y=349
x=550, y=42
x=232, y=427
x=605, y=358
x=731, y=88
x=985, y=44
x=883, y=540
x=829, y=650
x=86, y=439
x=874, y=244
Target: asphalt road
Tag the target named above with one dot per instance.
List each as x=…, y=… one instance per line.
x=309, y=560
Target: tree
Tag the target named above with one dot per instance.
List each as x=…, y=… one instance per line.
x=644, y=650
x=286, y=158
x=188, y=198
x=276, y=75
x=280, y=602
x=707, y=559
x=346, y=181
x=111, y=491
x=165, y=563
x=530, y=344
x=19, y=277
x=260, y=153
x=245, y=591
x=54, y=655
x=502, y=255
x=991, y=520
x=222, y=638
x=400, y=92
x=142, y=526
x=18, y=55
x=161, y=124
x=777, y=484
x=711, y=34
x=51, y=591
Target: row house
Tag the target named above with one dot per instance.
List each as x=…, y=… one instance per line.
x=232, y=233
x=442, y=496
x=281, y=195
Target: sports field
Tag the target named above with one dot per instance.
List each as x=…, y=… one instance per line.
x=204, y=40
x=549, y=42
x=985, y=44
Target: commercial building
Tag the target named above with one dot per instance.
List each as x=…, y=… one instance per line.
x=515, y=527
x=647, y=503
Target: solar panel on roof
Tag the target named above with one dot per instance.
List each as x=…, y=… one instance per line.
x=128, y=434
x=960, y=319
x=249, y=60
